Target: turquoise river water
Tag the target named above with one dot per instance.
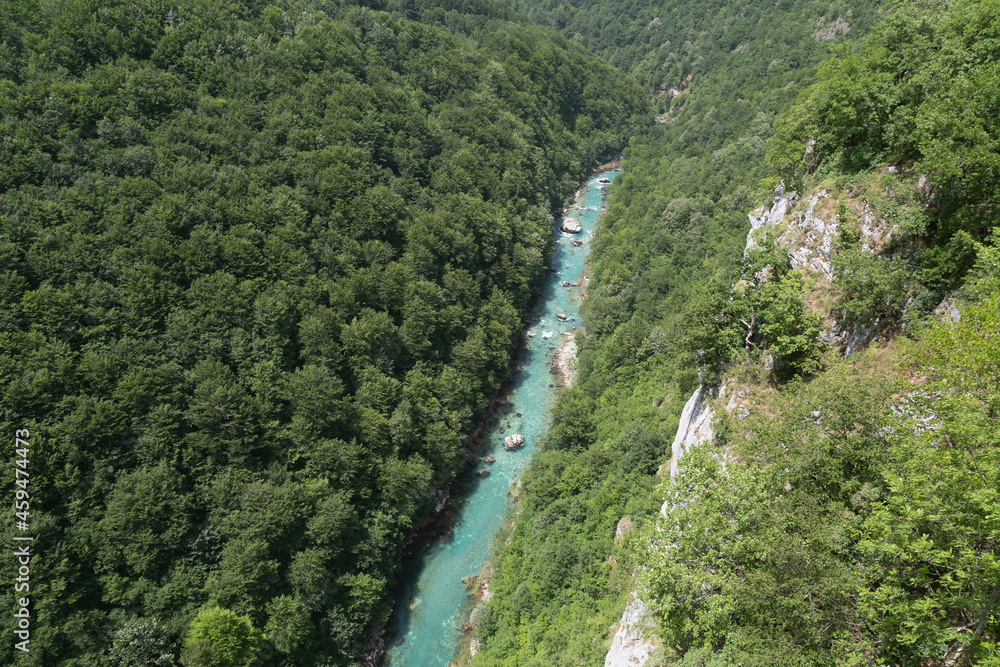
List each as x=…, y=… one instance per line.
x=432, y=603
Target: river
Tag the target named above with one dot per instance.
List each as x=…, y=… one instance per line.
x=431, y=602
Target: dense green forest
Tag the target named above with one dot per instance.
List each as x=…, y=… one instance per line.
x=668, y=251
x=264, y=264
x=723, y=47
x=856, y=519
x=852, y=518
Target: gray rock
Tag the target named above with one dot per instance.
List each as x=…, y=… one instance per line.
x=836, y=28
x=694, y=428
x=513, y=441
x=859, y=338
x=947, y=309
x=570, y=226
x=632, y=645
x=765, y=217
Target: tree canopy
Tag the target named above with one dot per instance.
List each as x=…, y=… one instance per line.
x=263, y=267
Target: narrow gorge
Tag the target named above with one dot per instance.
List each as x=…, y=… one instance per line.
x=437, y=600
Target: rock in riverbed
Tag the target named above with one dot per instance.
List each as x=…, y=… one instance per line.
x=571, y=226
x=513, y=441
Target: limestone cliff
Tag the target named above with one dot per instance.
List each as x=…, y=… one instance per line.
x=808, y=228
x=634, y=642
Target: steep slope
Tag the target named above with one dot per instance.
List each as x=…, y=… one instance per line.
x=264, y=265
x=852, y=518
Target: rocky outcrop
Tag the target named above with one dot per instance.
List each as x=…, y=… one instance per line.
x=764, y=217
x=856, y=339
x=809, y=231
x=695, y=426
x=948, y=309
x=832, y=30
x=876, y=232
x=625, y=526
x=631, y=646
x=808, y=237
x=633, y=642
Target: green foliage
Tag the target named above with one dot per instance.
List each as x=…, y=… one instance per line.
x=869, y=286
x=769, y=304
x=264, y=266
x=935, y=582
x=856, y=533
x=716, y=43
x=833, y=531
x=141, y=643
x=763, y=315
x=288, y=625
x=984, y=278
x=658, y=306
x=220, y=638
x=920, y=94
x=764, y=547
x=791, y=333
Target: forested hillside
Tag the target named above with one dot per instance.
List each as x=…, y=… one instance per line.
x=669, y=249
x=718, y=44
x=847, y=511
x=263, y=266
x=853, y=516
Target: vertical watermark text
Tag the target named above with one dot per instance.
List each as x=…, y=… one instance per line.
x=22, y=541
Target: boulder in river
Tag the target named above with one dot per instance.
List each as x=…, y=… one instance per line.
x=484, y=473
x=605, y=181
x=513, y=441
x=561, y=317
x=571, y=226
x=490, y=460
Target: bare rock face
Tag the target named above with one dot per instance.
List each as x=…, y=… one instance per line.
x=571, y=226
x=694, y=428
x=513, y=441
x=634, y=641
x=764, y=217
x=631, y=646
x=832, y=30
x=947, y=309
x=808, y=237
x=625, y=526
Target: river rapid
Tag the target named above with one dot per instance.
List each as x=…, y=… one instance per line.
x=432, y=603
